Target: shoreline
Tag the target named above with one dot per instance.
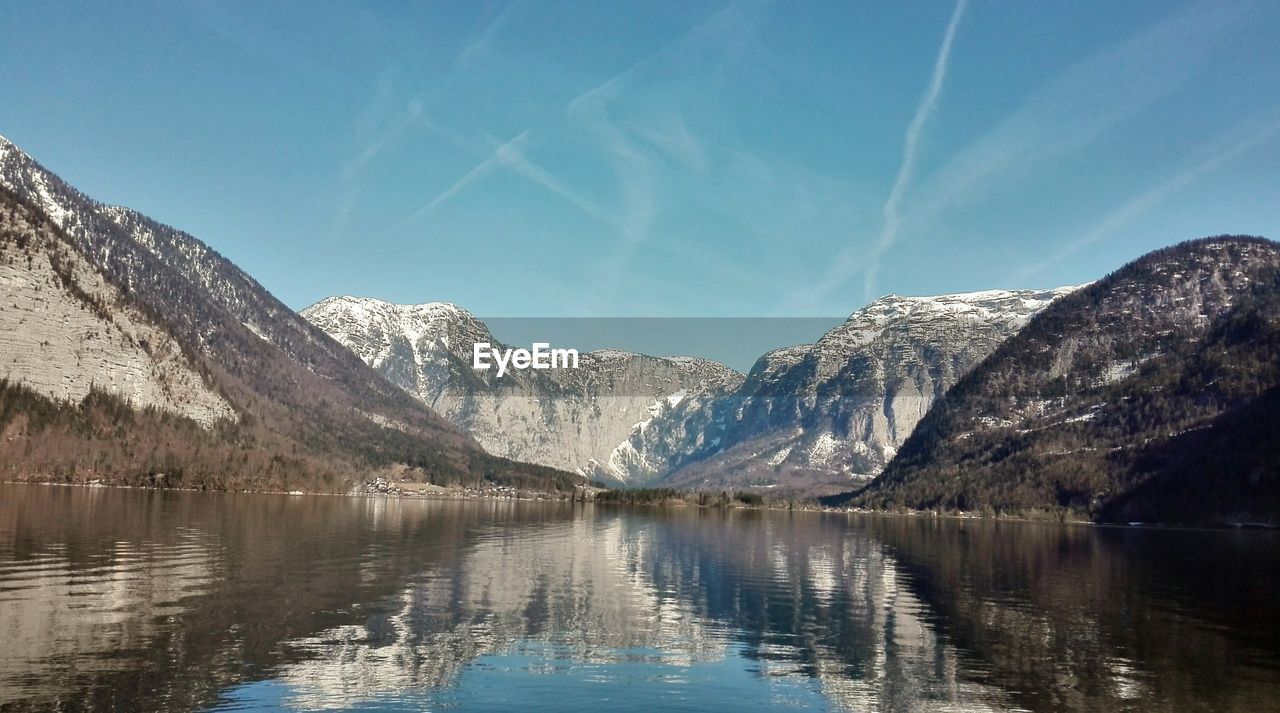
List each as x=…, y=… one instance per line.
x=441, y=494
x=497, y=494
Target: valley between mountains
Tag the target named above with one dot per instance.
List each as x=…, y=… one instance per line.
x=806, y=419
x=133, y=353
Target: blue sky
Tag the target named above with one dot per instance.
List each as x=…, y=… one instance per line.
x=659, y=159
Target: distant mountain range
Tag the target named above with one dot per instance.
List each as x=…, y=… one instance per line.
x=807, y=419
x=102, y=301
x=132, y=352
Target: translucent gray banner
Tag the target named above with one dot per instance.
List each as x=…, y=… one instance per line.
x=736, y=342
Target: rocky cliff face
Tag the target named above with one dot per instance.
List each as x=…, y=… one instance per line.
x=1109, y=391
x=67, y=330
x=565, y=418
x=816, y=417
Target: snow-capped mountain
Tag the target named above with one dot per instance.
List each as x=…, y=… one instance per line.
x=814, y=417
x=103, y=297
x=565, y=418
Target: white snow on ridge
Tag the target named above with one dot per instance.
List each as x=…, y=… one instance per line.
x=896, y=306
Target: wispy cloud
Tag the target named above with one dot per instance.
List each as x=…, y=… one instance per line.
x=631, y=163
x=634, y=176
x=846, y=263
x=381, y=125
x=721, y=38
x=668, y=131
x=385, y=137
x=588, y=111
x=1075, y=108
x=1244, y=138
x=513, y=155
x=1067, y=114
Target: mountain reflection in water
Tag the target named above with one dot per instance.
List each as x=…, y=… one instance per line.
x=134, y=600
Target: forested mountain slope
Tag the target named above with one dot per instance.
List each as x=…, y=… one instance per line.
x=1148, y=395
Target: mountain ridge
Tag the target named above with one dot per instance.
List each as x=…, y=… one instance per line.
x=1067, y=415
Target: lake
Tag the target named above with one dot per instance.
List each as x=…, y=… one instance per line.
x=145, y=600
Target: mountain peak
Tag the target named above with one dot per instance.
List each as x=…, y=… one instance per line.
x=352, y=301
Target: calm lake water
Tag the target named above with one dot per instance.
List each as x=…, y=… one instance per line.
x=135, y=600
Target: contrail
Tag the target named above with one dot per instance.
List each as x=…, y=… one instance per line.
x=892, y=217
x=478, y=171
